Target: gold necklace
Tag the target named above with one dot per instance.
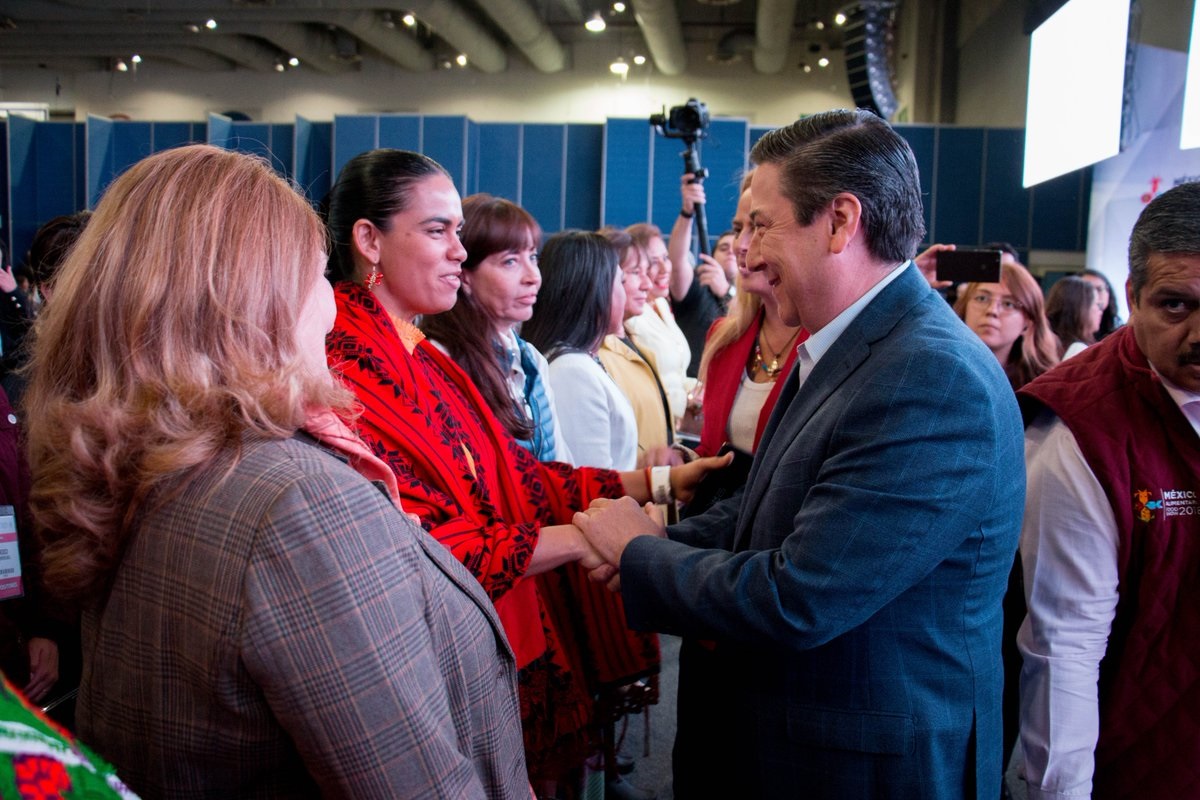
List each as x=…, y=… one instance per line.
x=775, y=367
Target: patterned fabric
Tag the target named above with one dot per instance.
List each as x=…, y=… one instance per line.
x=485, y=498
x=277, y=629
x=41, y=761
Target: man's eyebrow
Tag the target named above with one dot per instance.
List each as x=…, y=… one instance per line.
x=440, y=220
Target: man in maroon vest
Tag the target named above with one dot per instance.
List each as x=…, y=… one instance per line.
x=1110, y=690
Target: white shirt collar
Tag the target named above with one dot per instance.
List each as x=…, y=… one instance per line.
x=819, y=342
x=1188, y=402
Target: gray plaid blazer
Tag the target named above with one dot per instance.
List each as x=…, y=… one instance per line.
x=278, y=629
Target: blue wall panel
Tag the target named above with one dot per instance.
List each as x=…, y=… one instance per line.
x=283, y=141
x=400, y=131
x=627, y=144
x=5, y=228
x=923, y=141
x=352, y=135
x=55, y=172
x=444, y=139
x=250, y=137
x=80, y=166
x=1005, y=201
x=584, y=176
x=23, y=190
x=219, y=130
x=498, y=160
x=473, y=157
x=958, y=196
x=313, y=156
x=665, y=171
x=543, y=149
x=172, y=134
x=1059, y=213
x=99, y=157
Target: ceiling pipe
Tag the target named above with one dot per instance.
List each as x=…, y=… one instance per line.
x=180, y=53
x=774, y=21
x=444, y=17
x=528, y=33
x=242, y=51
x=315, y=48
x=660, y=26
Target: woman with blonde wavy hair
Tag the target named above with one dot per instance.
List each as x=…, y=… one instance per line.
x=254, y=608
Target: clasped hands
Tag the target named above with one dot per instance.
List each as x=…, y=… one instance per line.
x=608, y=526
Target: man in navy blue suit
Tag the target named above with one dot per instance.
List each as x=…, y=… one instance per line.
x=854, y=587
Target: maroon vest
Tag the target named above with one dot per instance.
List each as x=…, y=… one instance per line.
x=1147, y=457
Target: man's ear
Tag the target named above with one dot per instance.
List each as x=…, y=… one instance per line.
x=365, y=237
x=845, y=218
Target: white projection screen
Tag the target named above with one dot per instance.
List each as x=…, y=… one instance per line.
x=1189, y=137
x=1076, y=85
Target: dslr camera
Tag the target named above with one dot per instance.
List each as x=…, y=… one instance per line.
x=688, y=121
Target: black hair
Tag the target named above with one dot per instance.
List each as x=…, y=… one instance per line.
x=374, y=186
x=579, y=269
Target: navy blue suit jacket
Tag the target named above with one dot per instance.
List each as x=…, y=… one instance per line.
x=854, y=588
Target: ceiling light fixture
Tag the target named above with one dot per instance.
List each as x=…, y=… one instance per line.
x=279, y=67
x=839, y=18
x=822, y=62
x=121, y=66
x=409, y=20
x=806, y=67
x=595, y=23
x=619, y=67
x=211, y=24
x=192, y=27
x=293, y=62
x=136, y=59
x=619, y=7
x=639, y=60
x=461, y=59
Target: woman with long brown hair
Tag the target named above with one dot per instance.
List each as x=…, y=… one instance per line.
x=255, y=608
x=1010, y=318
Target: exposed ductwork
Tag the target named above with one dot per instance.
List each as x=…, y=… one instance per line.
x=528, y=33
x=773, y=34
x=660, y=26
x=100, y=53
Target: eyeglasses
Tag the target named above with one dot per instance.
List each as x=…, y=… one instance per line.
x=1007, y=305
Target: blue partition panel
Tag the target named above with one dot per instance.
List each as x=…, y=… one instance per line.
x=542, y=174
x=353, y=134
x=922, y=139
x=627, y=157
x=498, y=161
x=312, y=155
x=1005, y=201
x=1059, y=212
x=5, y=228
x=41, y=166
x=220, y=129
x=584, y=176
x=283, y=140
x=401, y=131
x=958, y=201
x=22, y=186
x=172, y=134
x=444, y=139
x=99, y=165
x=755, y=133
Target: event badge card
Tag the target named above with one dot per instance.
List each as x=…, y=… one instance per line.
x=10, y=556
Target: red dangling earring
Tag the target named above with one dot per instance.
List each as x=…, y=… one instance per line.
x=374, y=278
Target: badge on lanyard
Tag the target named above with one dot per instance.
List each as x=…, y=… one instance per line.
x=10, y=556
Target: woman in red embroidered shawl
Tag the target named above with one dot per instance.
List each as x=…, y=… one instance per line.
x=394, y=219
